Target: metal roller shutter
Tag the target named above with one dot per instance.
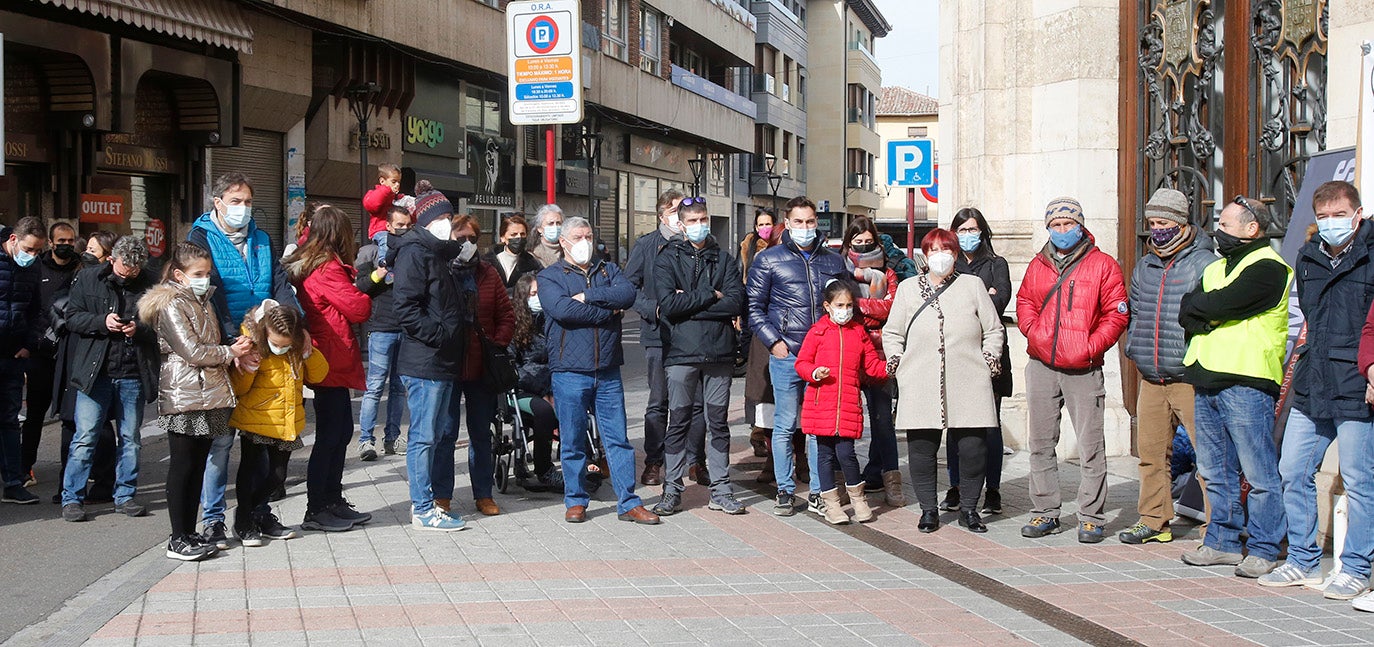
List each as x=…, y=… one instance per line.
x=259, y=156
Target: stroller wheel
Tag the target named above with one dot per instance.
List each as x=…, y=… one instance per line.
x=502, y=473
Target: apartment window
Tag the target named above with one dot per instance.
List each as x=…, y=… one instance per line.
x=613, y=30
x=495, y=4
x=785, y=164
x=685, y=58
x=650, y=41
x=800, y=173
x=482, y=110
x=917, y=131
x=765, y=143
x=799, y=97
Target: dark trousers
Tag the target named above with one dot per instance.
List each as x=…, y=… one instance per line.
x=185, y=474
x=542, y=421
x=835, y=454
x=923, y=444
x=39, y=398
x=993, y=466
x=262, y=469
x=11, y=399
x=333, y=433
x=656, y=414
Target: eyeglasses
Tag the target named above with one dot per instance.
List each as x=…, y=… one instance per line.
x=968, y=230
x=691, y=201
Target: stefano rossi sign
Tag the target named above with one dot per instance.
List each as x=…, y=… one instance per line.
x=124, y=157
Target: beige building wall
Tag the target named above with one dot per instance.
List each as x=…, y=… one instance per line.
x=1028, y=112
x=1352, y=23
x=834, y=64
x=893, y=203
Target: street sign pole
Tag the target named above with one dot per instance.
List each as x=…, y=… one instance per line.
x=910, y=222
x=550, y=178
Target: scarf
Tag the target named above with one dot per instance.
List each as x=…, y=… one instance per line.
x=877, y=257
x=1184, y=238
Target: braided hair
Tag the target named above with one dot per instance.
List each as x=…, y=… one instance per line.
x=280, y=319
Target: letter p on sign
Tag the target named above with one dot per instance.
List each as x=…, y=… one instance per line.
x=910, y=163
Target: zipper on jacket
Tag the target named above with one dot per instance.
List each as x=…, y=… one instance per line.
x=839, y=383
x=1054, y=341
x=1159, y=307
x=1071, y=294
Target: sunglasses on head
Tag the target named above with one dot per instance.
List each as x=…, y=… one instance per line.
x=691, y=201
x=1240, y=200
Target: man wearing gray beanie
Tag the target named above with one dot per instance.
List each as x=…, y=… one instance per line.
x=1175, y=256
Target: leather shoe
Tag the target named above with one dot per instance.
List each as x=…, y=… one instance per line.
x=970, y=519
x=930, y=521
x=488, y=507
x=575, y=514
x=699, y=473
x=641, y=515
x=653, y=475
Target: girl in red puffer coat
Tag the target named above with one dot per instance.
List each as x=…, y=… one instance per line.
x=835, y=356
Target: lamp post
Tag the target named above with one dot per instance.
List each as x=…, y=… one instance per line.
x=591, y=151
x=360, y=98
x=698, y=166
x=770, y=166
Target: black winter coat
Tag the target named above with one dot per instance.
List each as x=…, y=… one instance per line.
x=384, y=317
x=93, y=297
x=56, y=281
x=1335, y=302
x=428, y=306
x=696, y=326
x=532, y=362
x=21, y=319
x=640, y=270
x=785, y=289
x=996, y=276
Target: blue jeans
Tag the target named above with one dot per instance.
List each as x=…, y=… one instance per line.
x=1235, y=427
x=788, y=388
x=577, y=395
x=1305, y=441
x=11, y=397
x=429, y=417
x=216, y=480
x=382, y=348
x=125, y=398
x=481, y=409
x=882, y=447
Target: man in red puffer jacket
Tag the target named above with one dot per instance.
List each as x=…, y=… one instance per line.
x=1072, y=307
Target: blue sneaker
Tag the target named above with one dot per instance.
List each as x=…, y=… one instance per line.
x=438, y=520
x=1089, y=532
x=1040, y=526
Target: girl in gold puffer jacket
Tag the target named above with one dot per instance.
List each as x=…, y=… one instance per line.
x=270, y=414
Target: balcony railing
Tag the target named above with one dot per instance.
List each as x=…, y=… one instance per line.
x=858, y=46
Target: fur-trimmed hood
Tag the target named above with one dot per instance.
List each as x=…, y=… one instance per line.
x=159, y=297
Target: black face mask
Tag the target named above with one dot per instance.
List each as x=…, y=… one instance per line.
x=89, y=258
x=516, y=244
x=65, y=252
x=863, y=248
x=1226, y=243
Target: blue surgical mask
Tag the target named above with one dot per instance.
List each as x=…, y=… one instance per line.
x=698, y=232
x=1064, y=240
x=1335, y=231
x=237, y=215
x=551, y=233
x=535, y=306
x=803, y=237
x=970, y=242
x=23, y=258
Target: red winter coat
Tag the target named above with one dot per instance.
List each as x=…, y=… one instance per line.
x=1085, y=317
x=332, y=307
x=494, y=314
x=378, y=201
x=832, y=407
x=875, y=311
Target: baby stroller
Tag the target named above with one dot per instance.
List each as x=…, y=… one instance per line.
x=511, y=439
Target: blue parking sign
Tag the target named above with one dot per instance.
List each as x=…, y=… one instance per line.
x=911, y=163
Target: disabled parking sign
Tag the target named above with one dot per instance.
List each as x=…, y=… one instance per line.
x=911, y=163
x=545, y=79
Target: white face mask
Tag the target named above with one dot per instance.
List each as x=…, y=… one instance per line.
x=535, y=306
x=941, y=263
x=675, y=223
x=237, y=215
x=441, y=228
x=278, y=350
x=199, y=286
x=466, y=252
x=843, y=315
x=581, y=251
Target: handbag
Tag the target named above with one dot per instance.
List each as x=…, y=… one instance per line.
x=498, y=367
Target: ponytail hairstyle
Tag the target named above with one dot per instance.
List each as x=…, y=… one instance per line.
x=280, y=319
x=183, y=255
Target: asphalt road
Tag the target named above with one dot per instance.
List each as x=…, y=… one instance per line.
x=48, y=561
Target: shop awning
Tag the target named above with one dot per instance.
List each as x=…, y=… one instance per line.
x=216, y=22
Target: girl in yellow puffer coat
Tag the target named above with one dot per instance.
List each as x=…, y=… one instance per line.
x=270, y=414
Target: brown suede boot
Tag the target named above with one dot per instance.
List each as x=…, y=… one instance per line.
x=442, y=504
x=758, y=438
x=892, y=489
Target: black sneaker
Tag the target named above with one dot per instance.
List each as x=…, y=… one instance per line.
x=667, y=506
x=951, y=501
x=786, y=505
x=216, y=534
x=250, y=537
x=73, y=512
x=132, y=508
x=344, y=510
x=992, y=502
x=19, y=494
x=186, y=549
x=271, y=528
x=326, y=521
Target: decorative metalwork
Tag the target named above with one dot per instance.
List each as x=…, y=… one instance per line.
x=1289, y=41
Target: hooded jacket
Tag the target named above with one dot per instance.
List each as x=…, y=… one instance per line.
x=532, y=362
x=831, y=407
x=195, y=375
x=1155, y=341
x=96, y=294
x=428, y=306
x=584, y=335
x=696, y=326
x=333, y=305
x=1071, y=328
x=270, y=400
x=785, y=288
x=240, y=281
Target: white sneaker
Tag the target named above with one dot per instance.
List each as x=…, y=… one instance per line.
x=1364, y=602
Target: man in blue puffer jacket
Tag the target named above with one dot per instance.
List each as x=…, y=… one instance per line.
x=1176, y=254
x=583, y=300
x=784, y=291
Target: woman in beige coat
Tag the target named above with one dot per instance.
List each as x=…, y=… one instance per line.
x=943, y=341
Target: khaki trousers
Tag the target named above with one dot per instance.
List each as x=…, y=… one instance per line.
x=1157, y=406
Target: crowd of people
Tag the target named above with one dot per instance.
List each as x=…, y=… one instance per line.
x=226, y=335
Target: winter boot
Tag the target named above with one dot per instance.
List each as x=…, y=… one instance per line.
x=834, y=512
x=862, y=513
x=844, y=493
x=892, y=489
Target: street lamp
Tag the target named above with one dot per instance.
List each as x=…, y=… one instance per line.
x=770, y=166
x=591, y=151
x=698, y=166
x=360, y=99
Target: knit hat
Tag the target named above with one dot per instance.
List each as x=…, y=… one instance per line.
x=429, y=204
x=1064, y=207
x=1168, y=204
